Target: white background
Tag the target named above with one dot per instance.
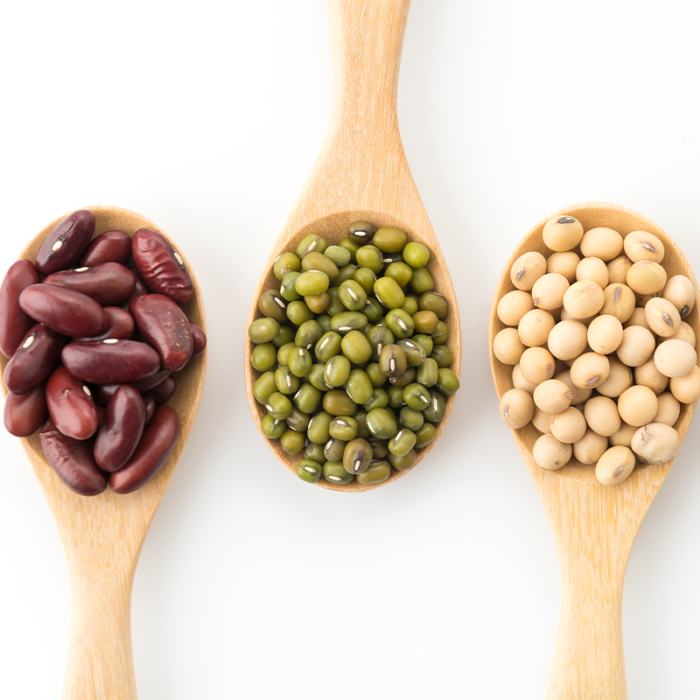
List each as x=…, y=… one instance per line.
x=206, y=117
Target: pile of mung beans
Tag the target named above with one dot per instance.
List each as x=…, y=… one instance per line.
x=351, y=355
x=94, y=333
x=602, y=358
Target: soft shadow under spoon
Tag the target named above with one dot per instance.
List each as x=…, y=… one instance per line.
x=361, y=174
x=594, y=525
x=103, y=535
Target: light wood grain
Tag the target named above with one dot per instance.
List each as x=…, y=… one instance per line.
x=594, y=526
x=361, y=174
x=103, y=535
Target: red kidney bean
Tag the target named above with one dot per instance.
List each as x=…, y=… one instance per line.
x=158, y=441
x=163, y=325
x=71, y=406
x=110, y=246
x=150, y=404
x=121, y=326
x=109, y=284
x=14, y=323
x=26, y=413
x=164, y=390
x=72, y=461
x=162, y=268
x=36, y=357
x=111, y=361
x=139, y=288
x=103, y=393
x=121, y=430
x=65, y=244
x=199, y=339
x=63, y=310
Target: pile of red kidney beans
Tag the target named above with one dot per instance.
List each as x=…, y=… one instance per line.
x=93, y=348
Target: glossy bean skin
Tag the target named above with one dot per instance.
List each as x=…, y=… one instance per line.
x=26, y=413
x=15, y=323
x=162, y=271
x=150, y=407
x=139, y=288
x=164, y=390
x=110, y=246
x=199, y=339
x=103, y=393
x=31, y=366
x=120, y=325
x=163, y=324
x=158, y=441
x=110, y=361
x=63, y=310
x=72, y=409
x=109, y=284
x=73, y=461
x=66, y=243
x=121, y=429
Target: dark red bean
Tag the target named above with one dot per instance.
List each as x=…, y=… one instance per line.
x=111, y=361
x=14, y=323
x=150, y=403
x=164, y=390
x=158, y=441
x=66, y=243
x=109, y=284
x=163, y=324
x=103, y=393
x=71, y=406
x=72, y=461
x=139, y=288
x=120, y=325
x=199, y=339
x=26, y=413
x=147, y=385
x=110, y=246
x=162, y=268
x=36, y=357
x=121, y=430
x=63, y=310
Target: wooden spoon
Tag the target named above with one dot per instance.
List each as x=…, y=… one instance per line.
x=103, y=535
x=361, y=173
x=594, y=525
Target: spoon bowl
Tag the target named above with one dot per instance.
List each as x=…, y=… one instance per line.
x=594, y=525
x=361, y=175
x=103, y=535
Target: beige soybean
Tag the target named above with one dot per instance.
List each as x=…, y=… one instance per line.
x=618, y=269
x=564, y=263
x=605, y=334
x=675, y=358
x=590, y=448
x=548, y=291
x=663, y=317
x=562, y=233
x=593, y=269
x=620, y=379
x=516, y=408
x=542, y=420
x=507, y=346
x=619, y=301
x=686, y=389
x=601, y=242
x=589, y=370
x=679, y=290
x=519, y=382
x=685, y=333
x=638, y=405
x=624, y=435
x=648, y=375
x=602, y=416
x=527, y=269
x=513, y=306
x=583, y=299
x=537, y=365
x=656, y=443
x=566, y=316
x=534, y=327
x=638, y=318
x=640, y=245
x=669, y=409
x=568, y=339
x=549, y=453
x=637, y=346
x=615, y=466
x=580, y=396
x=568, y=426
x=553, y=396
x=646, y=277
